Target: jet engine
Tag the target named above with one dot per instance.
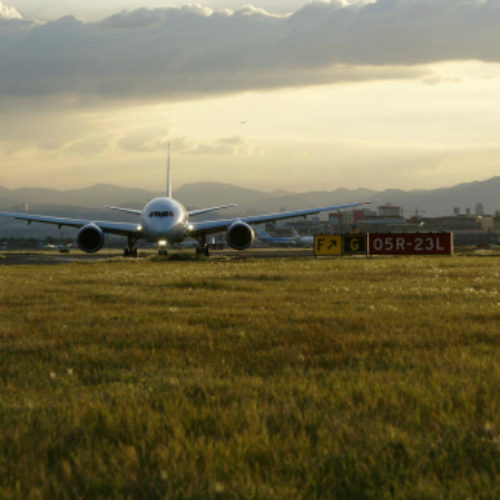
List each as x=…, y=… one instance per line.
x=90, y=238
x=240, y=236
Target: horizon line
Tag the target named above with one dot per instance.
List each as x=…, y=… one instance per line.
x=249, y=188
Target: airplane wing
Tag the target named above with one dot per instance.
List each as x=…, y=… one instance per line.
x=207, y=227
x=211, y=209
x=121, y=228
x=127, y=210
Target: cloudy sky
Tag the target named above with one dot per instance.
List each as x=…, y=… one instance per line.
x=281, y=94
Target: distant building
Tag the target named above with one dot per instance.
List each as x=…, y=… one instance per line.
x=358, y=215
x=389, y=211
x=387, y=218
x=334, y=218
x=452, y=223
x=479, y=209
x=486, y=222
x=350, y=216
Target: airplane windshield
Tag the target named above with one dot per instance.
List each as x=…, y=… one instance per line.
x=165, y=213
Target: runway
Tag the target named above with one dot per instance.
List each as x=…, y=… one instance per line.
x=17, y=258
x=13, y=258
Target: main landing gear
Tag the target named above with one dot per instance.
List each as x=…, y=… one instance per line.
x=131, y=249
x=202, y=248
x=130, y=252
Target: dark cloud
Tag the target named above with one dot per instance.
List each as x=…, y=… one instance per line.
x=183, y=52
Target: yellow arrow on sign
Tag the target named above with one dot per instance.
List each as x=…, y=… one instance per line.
x=327, y=244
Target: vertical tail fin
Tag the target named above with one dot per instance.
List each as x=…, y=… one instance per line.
x=169, y=180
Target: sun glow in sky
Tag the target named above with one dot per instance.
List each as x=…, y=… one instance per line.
x=249, y=96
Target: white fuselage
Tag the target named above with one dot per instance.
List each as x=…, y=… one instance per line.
x=164, y=219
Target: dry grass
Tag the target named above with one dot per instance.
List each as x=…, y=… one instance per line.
x=255, y=378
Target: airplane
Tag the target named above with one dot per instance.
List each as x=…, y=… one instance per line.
x=296, y=239
x=164, y=221
x=280, y=241
x=301, y=240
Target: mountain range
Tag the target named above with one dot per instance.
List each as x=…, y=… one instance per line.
x=89, y=202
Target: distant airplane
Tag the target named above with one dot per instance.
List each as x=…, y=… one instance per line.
x=305, y=241
x=164, y=221
x=296, y=240
x=278, y=241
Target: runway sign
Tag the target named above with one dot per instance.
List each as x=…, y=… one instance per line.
x=354, y=244
x=410, y=244
x=327, y=244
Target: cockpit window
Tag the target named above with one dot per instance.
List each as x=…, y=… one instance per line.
x=165, y=213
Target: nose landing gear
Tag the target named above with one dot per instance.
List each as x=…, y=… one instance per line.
x=162, y=248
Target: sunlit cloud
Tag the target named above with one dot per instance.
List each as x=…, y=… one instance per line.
x=146, y=141
x=89, y=145
x=8, y=12
x=222, y=146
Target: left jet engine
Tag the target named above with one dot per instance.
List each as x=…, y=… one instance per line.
x=90, y=238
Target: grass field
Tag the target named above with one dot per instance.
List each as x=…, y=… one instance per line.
x=265, y=378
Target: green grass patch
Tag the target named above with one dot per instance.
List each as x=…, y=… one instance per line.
x=283, y=378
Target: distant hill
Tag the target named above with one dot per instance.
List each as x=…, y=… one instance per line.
x=89, y=202
x=431, y=202
x=208, y=194
x=94, y=196
x=442, y=201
